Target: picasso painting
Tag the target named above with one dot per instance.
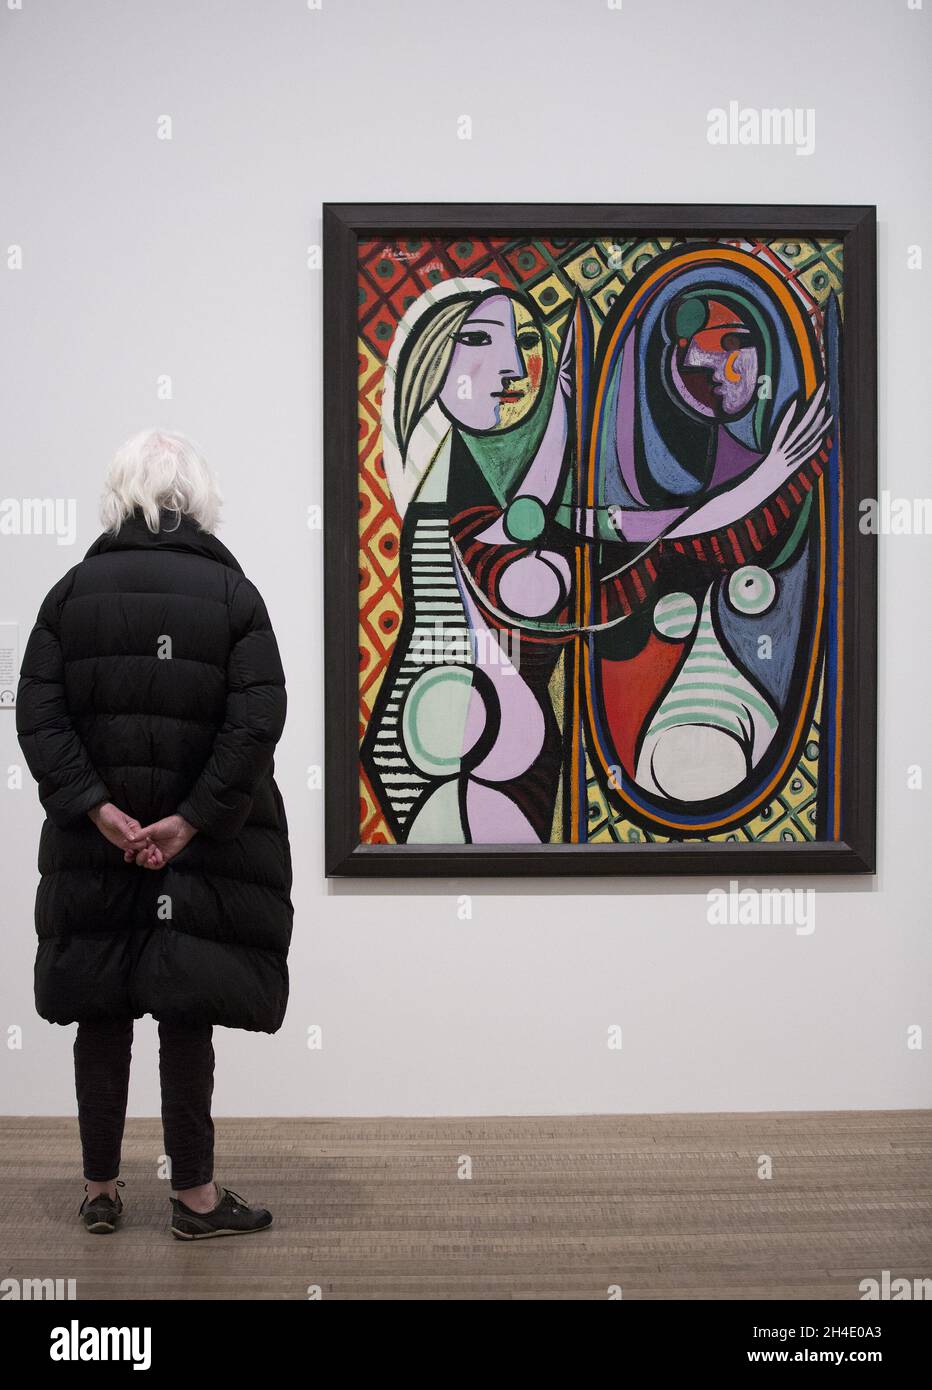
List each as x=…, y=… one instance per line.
x=600, y=540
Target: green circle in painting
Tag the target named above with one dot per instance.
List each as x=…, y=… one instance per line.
x=675, y=616
x=434, y=719
x=751, y=590
x=525, y=519
x=690, y=317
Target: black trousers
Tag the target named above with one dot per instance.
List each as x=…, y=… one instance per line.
x=102, y=1052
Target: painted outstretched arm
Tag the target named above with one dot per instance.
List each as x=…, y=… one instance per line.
x=792, y=445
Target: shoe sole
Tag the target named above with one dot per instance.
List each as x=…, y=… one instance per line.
x=208, y=1235
x=101, y=1228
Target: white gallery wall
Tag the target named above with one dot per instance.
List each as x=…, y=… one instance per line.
x=145, y=258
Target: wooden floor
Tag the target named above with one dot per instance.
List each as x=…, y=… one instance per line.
x=667, y=1206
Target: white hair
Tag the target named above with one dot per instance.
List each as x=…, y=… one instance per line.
x=155, y=471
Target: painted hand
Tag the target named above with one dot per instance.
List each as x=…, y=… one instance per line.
x=793, y=444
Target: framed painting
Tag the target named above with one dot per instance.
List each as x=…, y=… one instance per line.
x=597, y=600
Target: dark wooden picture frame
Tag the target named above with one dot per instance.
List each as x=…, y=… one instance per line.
x=344, y=225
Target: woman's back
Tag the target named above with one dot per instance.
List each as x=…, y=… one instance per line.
x=153, y=679
x=146, y=636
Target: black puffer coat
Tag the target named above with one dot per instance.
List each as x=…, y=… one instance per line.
x=152, y=679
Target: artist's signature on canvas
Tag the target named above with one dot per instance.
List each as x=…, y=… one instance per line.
x=398, y=253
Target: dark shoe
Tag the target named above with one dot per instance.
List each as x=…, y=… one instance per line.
x=101, y=1214
x=230, y=1217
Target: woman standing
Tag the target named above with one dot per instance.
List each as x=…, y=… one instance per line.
x=150, y=702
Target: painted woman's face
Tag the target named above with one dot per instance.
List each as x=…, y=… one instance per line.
x=496, y=368
x=715, y=360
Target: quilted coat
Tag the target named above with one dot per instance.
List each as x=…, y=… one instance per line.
x=152, y=679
